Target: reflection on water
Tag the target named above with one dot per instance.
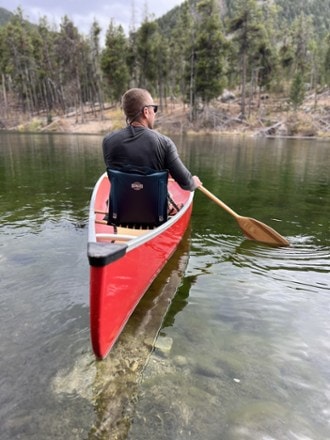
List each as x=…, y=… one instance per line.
x=243, y=352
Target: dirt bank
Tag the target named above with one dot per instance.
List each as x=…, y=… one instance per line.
x=267, y=117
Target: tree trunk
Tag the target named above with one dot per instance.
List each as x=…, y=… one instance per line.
x=244, y=68
x=191, y=87
x=4, y=95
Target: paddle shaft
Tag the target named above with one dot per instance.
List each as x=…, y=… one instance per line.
x=218, y=201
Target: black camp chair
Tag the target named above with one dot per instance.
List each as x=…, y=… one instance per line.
x=138, y=197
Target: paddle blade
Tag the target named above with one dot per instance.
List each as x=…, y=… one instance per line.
x=252, y=229
x=258, y=231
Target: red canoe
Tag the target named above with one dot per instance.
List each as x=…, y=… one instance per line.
x=124, y=264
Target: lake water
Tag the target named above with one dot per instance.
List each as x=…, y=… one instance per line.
x=231, y=342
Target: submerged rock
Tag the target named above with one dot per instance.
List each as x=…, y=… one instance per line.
x=164, y=344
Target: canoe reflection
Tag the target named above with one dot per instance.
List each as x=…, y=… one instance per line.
x=118, y=376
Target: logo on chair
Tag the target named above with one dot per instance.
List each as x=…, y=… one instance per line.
x=137, y=186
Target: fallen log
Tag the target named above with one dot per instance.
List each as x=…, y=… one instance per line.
x=270, y=131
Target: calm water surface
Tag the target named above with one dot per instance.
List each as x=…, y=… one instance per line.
x=240, y=331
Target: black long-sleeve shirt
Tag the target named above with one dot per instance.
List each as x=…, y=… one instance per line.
x=143, y=147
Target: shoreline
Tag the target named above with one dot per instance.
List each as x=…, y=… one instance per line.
x=220, y=120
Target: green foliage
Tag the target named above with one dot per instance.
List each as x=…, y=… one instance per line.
x=297, y=91
x=326, y=66
x=209, y=49
x=179, y=41
x=147, y=45
x=317, y=10
x=114, y=62
x=250, y=38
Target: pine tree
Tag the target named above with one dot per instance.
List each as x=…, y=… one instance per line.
x=114, y=61
x=147, y=41
x=210, y=50
x=206, y=73
x=248, y=33
x=297, y=91
x=326, y=63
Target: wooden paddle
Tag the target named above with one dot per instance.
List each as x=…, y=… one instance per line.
x=252, y=229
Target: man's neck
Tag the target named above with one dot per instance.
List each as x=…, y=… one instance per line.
x=138, y=124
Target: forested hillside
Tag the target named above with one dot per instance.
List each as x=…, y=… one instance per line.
x=318, y=10
x=287, y=11
x=5, y=16
x=194, y=54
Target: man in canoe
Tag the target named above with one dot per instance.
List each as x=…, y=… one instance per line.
x=139, y=145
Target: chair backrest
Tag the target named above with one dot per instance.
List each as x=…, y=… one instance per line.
x=138, y=197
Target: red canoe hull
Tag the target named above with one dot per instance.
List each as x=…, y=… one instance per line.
x=116, y=286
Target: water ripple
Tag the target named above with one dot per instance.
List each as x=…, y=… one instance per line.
x=301, y=266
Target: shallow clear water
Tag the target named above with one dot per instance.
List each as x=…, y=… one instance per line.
x=243, y=346
x=250, y=355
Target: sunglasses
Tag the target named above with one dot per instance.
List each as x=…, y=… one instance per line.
x=155, y=107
